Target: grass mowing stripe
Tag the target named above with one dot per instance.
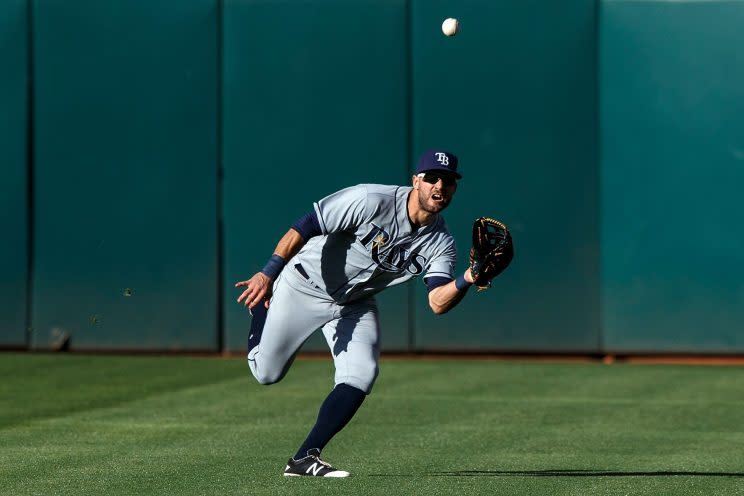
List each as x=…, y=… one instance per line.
x=568, y=400
x=428, y=428
x=45, y=386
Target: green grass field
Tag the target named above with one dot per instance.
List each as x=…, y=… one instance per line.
x=106, y=425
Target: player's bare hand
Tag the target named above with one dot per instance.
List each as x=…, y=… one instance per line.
x=257, y=288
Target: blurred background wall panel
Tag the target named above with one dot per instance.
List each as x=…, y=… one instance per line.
x=125, y=178
x=14, y=215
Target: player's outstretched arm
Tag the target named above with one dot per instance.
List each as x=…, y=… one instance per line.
x=258, y=287
x=446, y=297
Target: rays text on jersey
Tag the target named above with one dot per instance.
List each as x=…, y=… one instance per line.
x=397, y=258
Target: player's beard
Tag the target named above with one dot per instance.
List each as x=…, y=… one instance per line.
x=428, y=204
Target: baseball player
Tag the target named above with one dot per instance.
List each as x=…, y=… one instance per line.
x=325, y=272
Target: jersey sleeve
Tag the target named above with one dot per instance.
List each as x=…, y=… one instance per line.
x=443, y=265
x=308, y=226
x=343, y=210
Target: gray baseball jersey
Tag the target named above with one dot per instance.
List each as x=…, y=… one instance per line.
x=368, y=243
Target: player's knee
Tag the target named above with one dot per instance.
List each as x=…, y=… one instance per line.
x=267, y=381
x=361, y=378
x=265, y=376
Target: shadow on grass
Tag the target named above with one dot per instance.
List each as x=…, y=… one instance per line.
x=580, y=473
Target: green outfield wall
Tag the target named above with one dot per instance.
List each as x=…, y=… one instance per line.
x=14, y=214
x=125, y=148
x=174, y=142
x=672, y=168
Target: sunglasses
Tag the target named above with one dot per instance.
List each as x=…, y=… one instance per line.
x=433, y=177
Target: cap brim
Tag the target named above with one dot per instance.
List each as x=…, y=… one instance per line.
x=442, y=171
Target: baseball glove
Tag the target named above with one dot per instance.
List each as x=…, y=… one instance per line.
x=491, y=253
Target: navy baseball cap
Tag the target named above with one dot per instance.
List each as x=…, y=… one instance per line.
x=437, y=159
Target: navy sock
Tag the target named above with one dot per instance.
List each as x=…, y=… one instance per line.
x=335, y=412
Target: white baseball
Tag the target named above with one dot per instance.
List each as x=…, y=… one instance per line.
x=450, y=26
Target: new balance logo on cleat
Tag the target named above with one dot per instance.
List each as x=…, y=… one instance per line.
x=312, y=466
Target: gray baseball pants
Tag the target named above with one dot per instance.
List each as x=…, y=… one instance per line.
x=297, y=308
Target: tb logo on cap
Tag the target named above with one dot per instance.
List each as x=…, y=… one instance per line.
x=442, y=158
